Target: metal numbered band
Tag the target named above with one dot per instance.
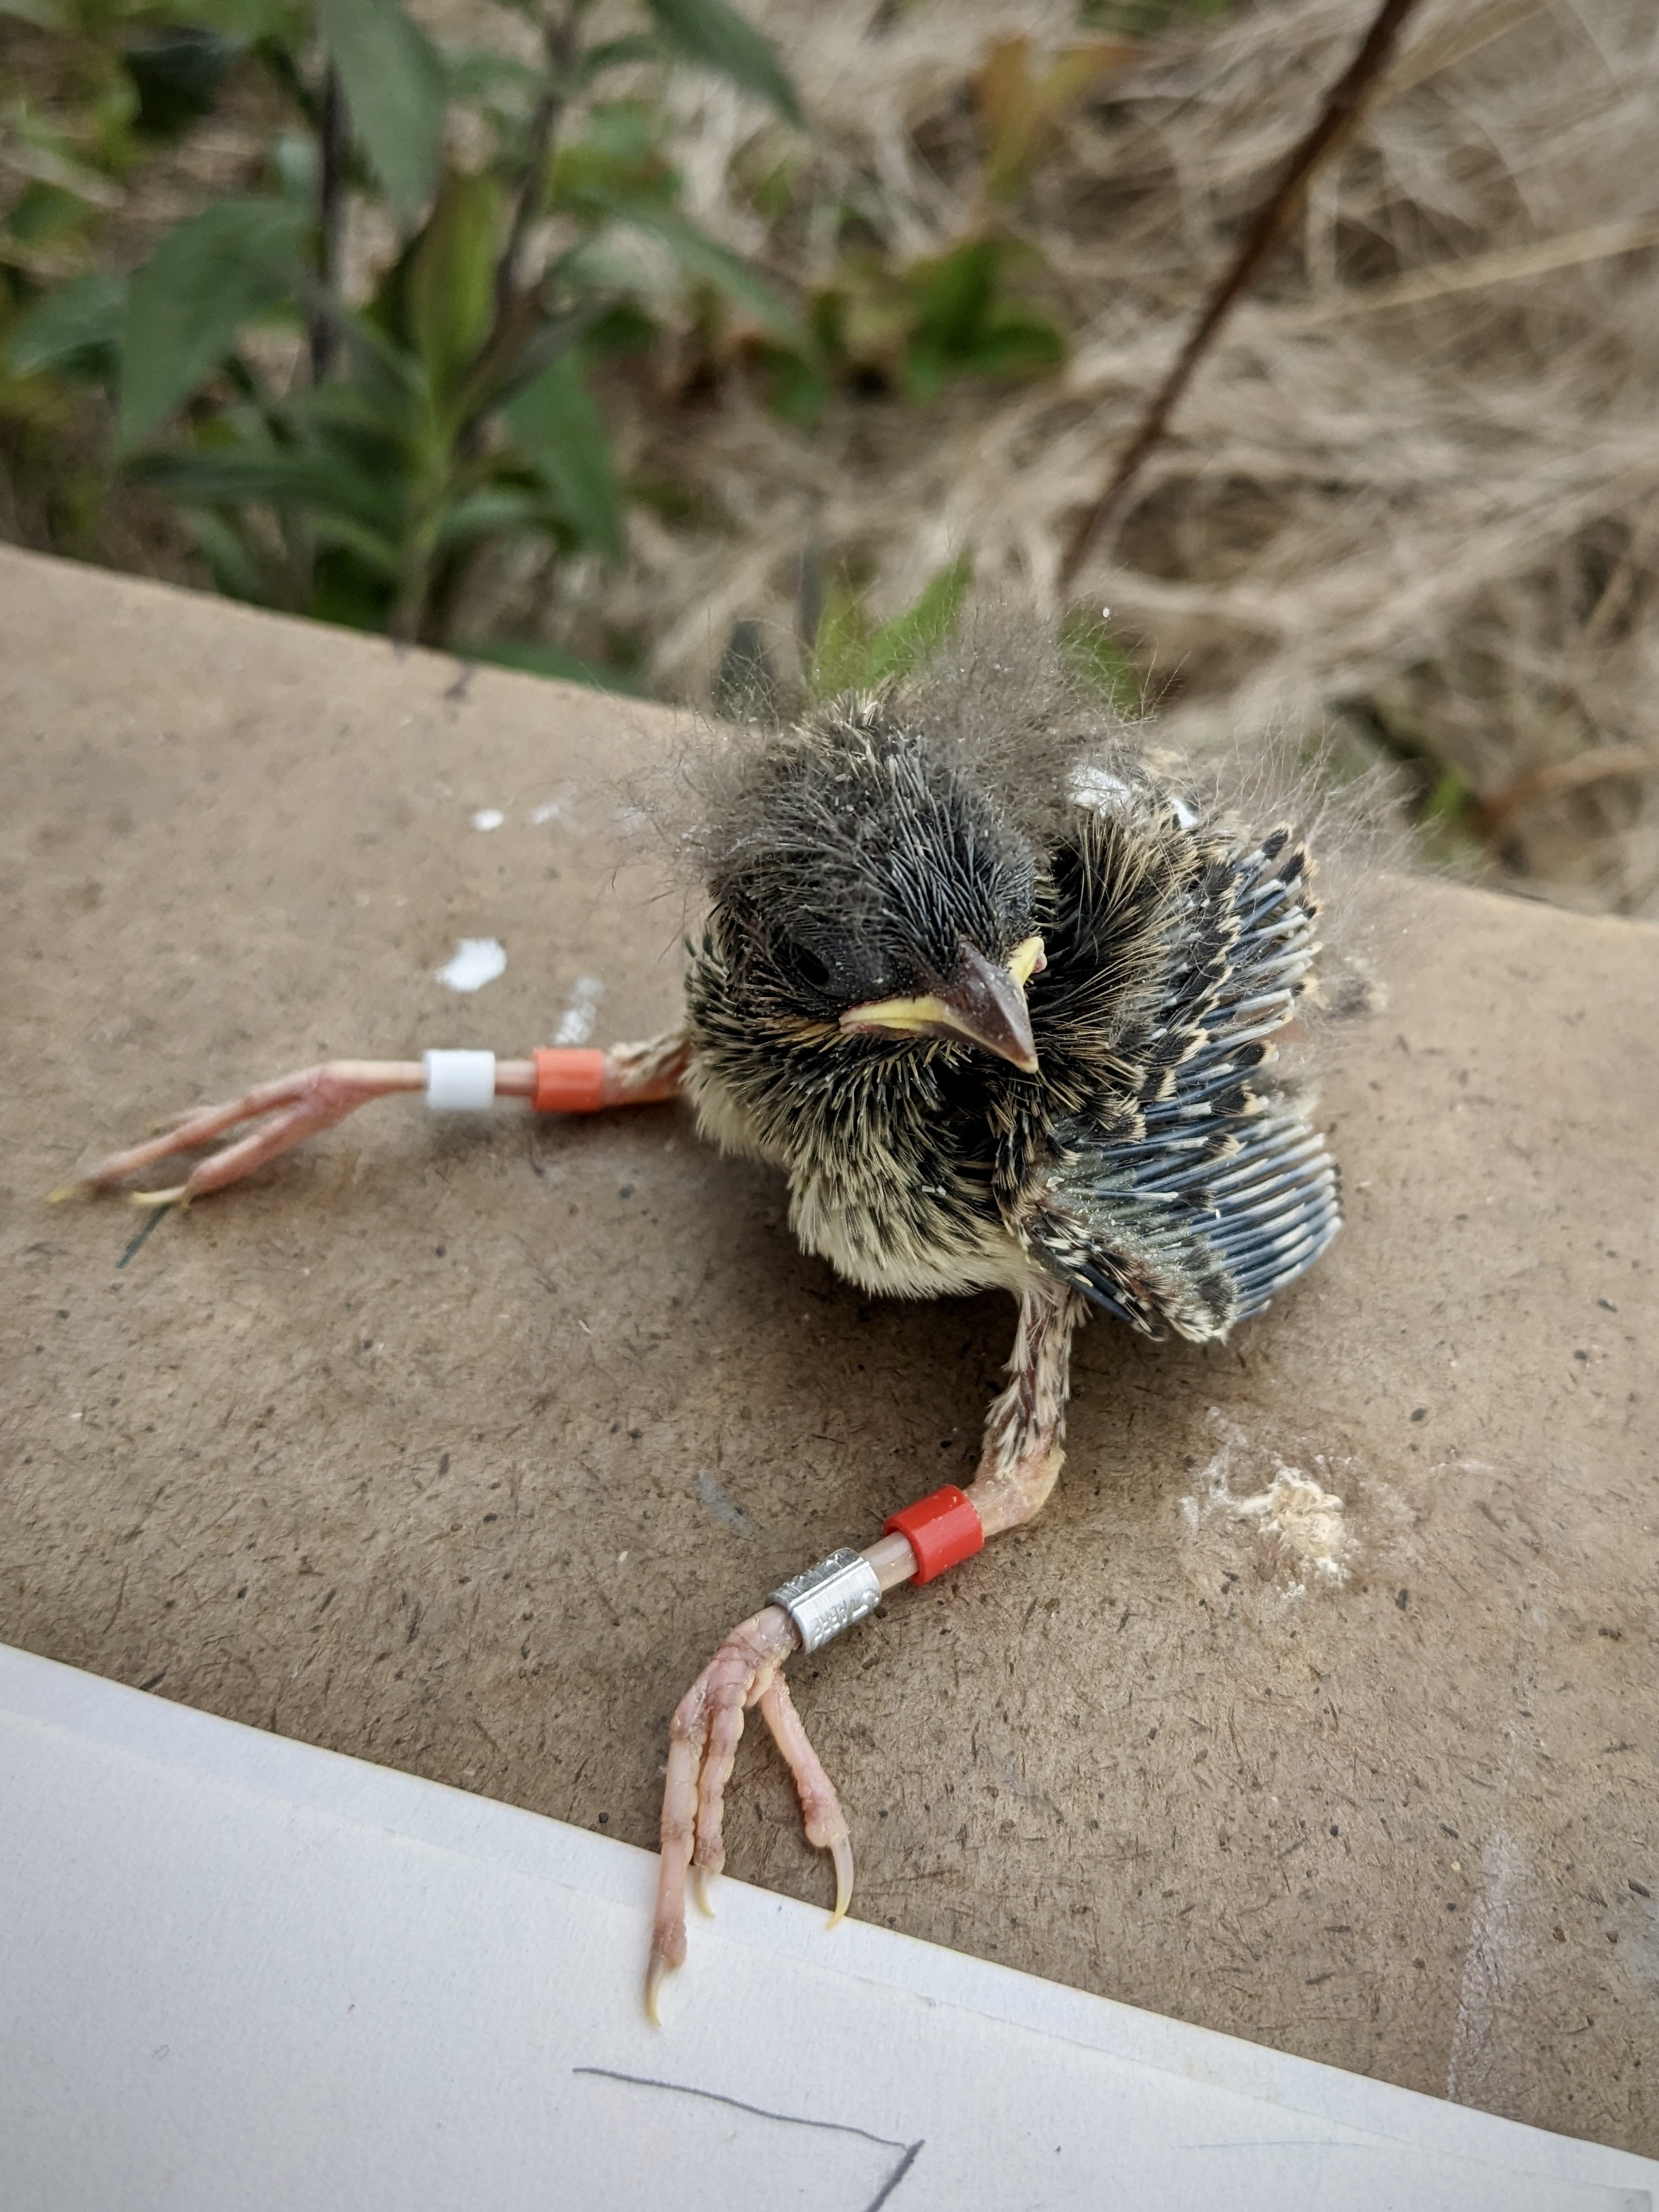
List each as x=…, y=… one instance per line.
x=837, y=1593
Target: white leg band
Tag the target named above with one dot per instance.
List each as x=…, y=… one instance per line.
x=459, y=1082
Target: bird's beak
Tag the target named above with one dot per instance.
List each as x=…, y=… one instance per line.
x=982, y=1005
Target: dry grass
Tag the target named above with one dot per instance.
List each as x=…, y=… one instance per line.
x=1412, y=499
x=1414, y=493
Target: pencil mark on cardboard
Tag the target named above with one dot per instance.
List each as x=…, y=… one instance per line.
x=909, y=2151
x=145, y=1232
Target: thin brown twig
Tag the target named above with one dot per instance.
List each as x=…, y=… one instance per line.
x=1343, y=107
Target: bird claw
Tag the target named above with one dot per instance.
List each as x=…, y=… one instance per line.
x=702, y=1745
x=155, y=1200
x=840, y=1850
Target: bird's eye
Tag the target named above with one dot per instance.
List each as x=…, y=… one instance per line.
x=800, y=962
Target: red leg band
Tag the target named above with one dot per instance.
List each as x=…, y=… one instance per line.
x=569, y=1079
x=942, y=1530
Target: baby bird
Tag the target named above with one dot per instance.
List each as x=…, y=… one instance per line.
x=998, y=1013
x=990, y=1047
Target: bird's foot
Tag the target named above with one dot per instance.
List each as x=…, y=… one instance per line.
x=702, y=1745
x=288, y=1111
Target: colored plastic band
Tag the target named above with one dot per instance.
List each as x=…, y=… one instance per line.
x=459, y=1082
x=942, y=1530
x=569, y=1079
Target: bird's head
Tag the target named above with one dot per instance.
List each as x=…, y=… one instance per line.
x=863, y=887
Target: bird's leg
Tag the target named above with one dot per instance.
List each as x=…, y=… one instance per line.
x=1025, y=1428
x=645, y=1073
x=288, y=1110
x=1017, y=1468
x=703, y=1742
x=294, y=1107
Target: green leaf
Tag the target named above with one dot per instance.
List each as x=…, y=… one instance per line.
x=619, y=158
x=563, y=435
x=494, y=383
x=393, y=78
x=616, y=53
x=955, y=293
x=797, y=387
x=840, y=644
x=185, y=306
x=1011, y=350
x=348, y=591
x=235, y=568
x=376, y=338
x=479, y=73
x=498, y=509
x=710, y=32
x=244, y=22
x=340, y=503
x=177, y=75
x=1095, y=658
x=962, y=327
x=699, y=255
x=926, y=371
x=915, y=635
x=450, y=296
x=77, y=327
x=43, y=215
x=848, y=655
x=1016, y=348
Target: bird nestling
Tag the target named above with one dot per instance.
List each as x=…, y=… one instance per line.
x=995, y=991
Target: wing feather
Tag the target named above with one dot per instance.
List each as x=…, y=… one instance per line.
x=1217, y=1199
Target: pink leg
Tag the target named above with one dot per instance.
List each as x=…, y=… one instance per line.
x=1025, y=1428
x=703, y=1742
x=820, y=1808
x=299, y=1106
x=821, y=1814
x=292, y=1109
x=1017, y=1470
x=646, y=1074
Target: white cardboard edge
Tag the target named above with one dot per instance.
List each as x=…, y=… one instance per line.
x=129, y=1724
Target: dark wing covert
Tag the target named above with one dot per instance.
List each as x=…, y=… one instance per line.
x=1223, y=1198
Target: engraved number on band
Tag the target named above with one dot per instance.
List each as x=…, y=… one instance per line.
x=837, y=1593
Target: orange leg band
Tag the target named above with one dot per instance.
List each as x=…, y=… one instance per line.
x=577, y=1079
x=943, y=1529
x=569, y=1079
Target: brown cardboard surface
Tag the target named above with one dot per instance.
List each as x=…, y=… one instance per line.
x=456, y=1445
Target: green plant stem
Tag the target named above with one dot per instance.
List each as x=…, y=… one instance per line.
x=330, y=210
x=414, y=616
x=560, y=40
x=408, y=622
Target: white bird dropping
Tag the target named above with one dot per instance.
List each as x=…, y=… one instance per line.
x=477, y=961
